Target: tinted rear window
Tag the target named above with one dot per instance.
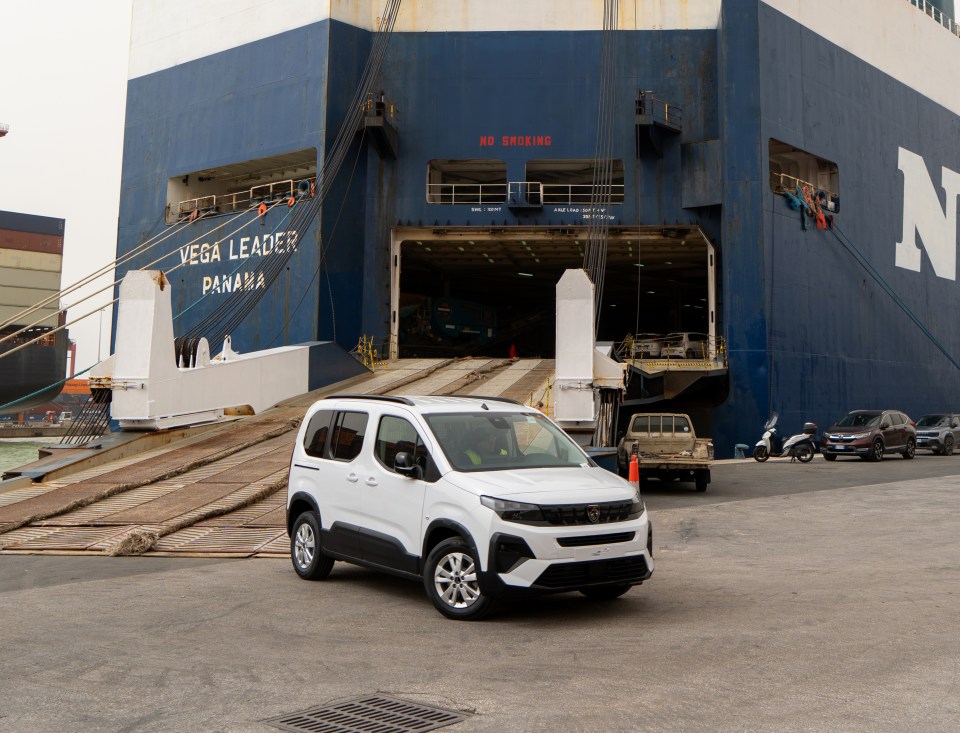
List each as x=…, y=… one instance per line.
x=348, y=436
x=315, y=437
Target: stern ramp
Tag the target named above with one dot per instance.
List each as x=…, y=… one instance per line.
x=221, y=492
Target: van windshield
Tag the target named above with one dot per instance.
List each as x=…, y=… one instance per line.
x=483, y=441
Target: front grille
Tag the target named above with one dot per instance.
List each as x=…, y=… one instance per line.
x=596, y=539
x=579, y=574
x=571, y=514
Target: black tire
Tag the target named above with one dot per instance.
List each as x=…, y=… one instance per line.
x=876, y=451
x=948, y=446
x=701, y=483
x=306, y=551
x=450, y=578
x=804, y=453
x=605, y=592
x=911, y=450
x=829, y=456
x=760, y=454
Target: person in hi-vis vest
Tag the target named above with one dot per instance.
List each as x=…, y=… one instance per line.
x=482, y=443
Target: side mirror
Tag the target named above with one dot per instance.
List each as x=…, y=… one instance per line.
x=404, y=464
x=883, y=427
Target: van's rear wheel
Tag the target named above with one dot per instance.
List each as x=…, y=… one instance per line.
x=305, y=550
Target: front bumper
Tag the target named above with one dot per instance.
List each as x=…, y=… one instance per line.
x=521, y=564
x=846, y=449
x=929, y=442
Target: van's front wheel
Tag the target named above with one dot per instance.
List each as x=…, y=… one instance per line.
x=451, y=579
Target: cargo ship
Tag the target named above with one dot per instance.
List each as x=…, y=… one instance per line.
x=779, y=176
x=31, y=258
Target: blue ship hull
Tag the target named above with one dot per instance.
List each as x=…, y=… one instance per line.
x=810, y=331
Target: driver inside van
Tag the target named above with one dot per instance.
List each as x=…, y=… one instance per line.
x=482, y=444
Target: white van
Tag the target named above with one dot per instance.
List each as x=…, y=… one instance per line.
x=479, y=498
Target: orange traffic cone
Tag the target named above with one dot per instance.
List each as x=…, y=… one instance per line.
x=634, y=475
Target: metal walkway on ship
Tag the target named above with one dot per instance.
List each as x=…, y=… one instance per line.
x=221, y=492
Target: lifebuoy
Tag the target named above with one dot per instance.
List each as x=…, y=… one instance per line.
x=262, y=209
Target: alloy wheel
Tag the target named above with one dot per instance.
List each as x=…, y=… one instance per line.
x=304, y=546
x=455, y=580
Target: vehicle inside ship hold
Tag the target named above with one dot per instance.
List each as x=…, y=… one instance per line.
x=477, y=291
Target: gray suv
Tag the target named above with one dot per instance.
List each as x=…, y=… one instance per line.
x=939, y=432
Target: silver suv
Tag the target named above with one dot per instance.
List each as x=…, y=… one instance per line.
x=477, y=498
x=939, y=432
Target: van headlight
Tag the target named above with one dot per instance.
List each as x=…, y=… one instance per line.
x=514, y=511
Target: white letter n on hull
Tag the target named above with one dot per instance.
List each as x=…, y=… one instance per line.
x=922, y=215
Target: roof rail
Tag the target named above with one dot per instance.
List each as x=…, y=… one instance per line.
x=481, y=397
x=382, y=397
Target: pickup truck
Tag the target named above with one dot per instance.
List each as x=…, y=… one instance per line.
x=666, y=448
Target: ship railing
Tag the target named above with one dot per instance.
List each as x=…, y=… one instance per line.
x=537, y=193
x=781, y=182
x=466, y=193
x=241, y=200
x=689, y=350
x=581, y=194
x=268, y=193
x=654, y=109
x=377, y=105
x=937, y=14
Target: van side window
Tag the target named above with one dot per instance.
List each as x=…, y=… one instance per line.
x=396, y=435
x=348, y=435
x=315, y=437
x=886, y=422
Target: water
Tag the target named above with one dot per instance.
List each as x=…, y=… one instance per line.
x=14, y=452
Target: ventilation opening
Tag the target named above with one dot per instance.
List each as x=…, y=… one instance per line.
x=570, y=182
x=466, y=182
x=791, y=167
x=239, y=186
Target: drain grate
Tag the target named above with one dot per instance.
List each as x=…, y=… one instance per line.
x=369, y=714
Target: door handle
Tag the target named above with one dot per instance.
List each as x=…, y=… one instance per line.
x=352, y=477
x=371, y=481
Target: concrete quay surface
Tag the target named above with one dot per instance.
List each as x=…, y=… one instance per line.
x=787, y=598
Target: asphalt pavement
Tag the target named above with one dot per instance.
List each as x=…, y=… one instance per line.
x=786, y=598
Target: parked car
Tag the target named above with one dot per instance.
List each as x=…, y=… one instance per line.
x=478, y=498
x=647, y=345
x=870, y=434
x=939, y=432
x=685, y=345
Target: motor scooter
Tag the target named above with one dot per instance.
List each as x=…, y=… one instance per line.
x=799, y=446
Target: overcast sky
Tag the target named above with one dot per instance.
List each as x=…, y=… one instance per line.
x=62, y=92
